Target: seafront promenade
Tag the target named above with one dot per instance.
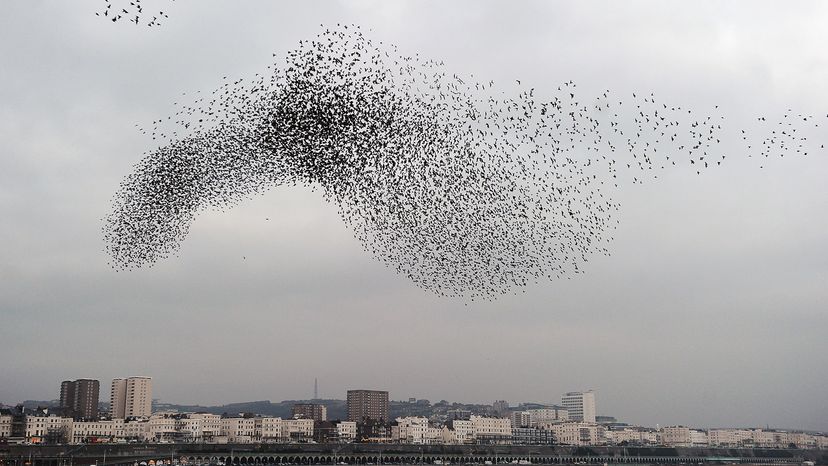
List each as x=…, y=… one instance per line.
x=361, y=453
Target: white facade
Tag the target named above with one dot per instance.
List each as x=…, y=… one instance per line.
x=346, y=430
x=239, y=429
x=130, y=397
x=38, y=427
x=580, y=405
x=297, y=429
x=494, y=429
x=698, y=438
x=552, y=414
x=676, y=436
x=578, y=433
x=105, y=430
x=521, y=419
x=269, y=429
x=136, y=429
x=633, y=435
x=415, y=430
x=460, y=433
x=5, y=426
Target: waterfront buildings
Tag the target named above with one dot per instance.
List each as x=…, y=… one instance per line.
x=539, y=416
x=40, y=427
x=578, y=433
x=130, y=397
x=459, y=432
x=580, y=405
x=79, y=398
x=367, y=404
x=492, y=430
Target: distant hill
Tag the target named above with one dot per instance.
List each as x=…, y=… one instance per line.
x=336, y=408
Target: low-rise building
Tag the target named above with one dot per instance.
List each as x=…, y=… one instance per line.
x=578, y=433
x=5, y=426
x=458, y=432
x=532, y=436
x=297, y=430
x=97, y=431
x=239, y=429
x=269, y=429
x=676, y=436
x=415, y=430
x=492, y=430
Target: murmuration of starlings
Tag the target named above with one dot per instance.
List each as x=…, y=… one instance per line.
x=468, y=189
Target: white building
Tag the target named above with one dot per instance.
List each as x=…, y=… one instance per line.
x=269, y=429
x=130, y=397
x=676, y=436
x=297, y=430
x=632, y=435
x=551, y=414
x=239, y=429
x=136, y=429
x=5, y=426
x=521, y=419
x=459, y=432
x=101, y=430
x=37, y=428
x=346, y=431
x=492, y=429
x=578, y=433
x=580, y=405
x=415, y=430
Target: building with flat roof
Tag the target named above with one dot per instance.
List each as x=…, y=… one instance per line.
x=580, y=405
x=315, y=411
x=367, y=404
x=130, y=397
x=79, y=398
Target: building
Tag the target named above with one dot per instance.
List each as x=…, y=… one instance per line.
x=131, y=397
x=676, y=436
x=79, y=398
x=297, y=430
x=94, y=431
x=40, y=428
x=459, y=432
x=461, y=414
x=269, y=429
x=578, y=433
x=492, y=430
x=239, y=429
x=367, y=404
x=631, y=435
x=314, y=411
x=532, y=436
x=500, y=407
x=521, y=419
x=580, y=405
x=538, y=416
x=415, y=430
x=5, y=426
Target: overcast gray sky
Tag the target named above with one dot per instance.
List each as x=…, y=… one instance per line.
x=712, y=310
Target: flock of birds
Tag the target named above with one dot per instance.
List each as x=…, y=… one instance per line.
x=467, y=189
x=132, y=11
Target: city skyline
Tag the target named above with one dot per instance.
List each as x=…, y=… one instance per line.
x=710, y=310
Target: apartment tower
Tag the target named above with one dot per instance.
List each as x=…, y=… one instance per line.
x=130, y=397
x=79, y=398
x=367, y=404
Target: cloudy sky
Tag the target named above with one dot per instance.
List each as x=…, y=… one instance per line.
x=712, y=310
